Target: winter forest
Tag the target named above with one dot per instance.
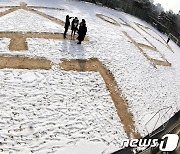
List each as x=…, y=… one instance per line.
x=165, y=22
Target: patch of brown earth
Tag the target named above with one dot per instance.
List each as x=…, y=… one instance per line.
x=18, y=43
x=18, y=39
x=24, y=63
x=143, y=37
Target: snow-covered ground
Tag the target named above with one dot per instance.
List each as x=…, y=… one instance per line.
x=153, y=54
x=47, y=111
x=69, y=112
x=24, y=21
x=60, y=14
x=3, y=9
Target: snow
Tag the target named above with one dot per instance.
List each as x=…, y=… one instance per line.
x=153, y=54
x=71, y=111
x=108, y=19
x=22, y=20
x=135, y=35
x=57, y=109
x=4, y=42
x=158, y=119
x=29, y=77
x=3, y=9
x=154, y=34
x=83, y=147
x=59, y=14
x=156, y=40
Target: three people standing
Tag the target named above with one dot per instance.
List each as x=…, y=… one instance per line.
x=74, y=27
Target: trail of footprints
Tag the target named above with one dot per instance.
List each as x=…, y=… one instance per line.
x=47, y=120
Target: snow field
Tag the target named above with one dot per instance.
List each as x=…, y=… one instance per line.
x=147, y=89
x=3, y=9
x=155, y=35
x=107, y=19
x=59, y=14
x=23, y=21
x=56, y=108
x=161, y=47
x=135, y=35
x=153, y=54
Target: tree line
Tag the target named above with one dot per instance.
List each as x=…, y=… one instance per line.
x=165, y=22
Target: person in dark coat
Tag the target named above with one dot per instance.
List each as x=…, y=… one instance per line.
x=168, y=40
x=67, y=24
x=74, y=26
x=82, y=31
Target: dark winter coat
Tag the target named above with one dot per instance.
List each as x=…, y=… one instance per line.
x=82, y=32
x=67, y=23
x=74, y=24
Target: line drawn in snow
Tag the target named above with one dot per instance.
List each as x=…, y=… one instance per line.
x=89, y=65
x=161, y=60
x=108, y=19
x=111, y=20
x=18, y=39
x=147, y=29
x=18, y=43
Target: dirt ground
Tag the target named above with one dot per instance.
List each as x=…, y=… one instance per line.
x=24, y=63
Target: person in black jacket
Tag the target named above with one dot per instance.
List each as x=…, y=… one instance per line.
x=74, y=26
x=67, y=24
x=82, y=31
x=168, y=40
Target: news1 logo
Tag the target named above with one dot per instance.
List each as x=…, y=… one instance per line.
x=168, y=142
